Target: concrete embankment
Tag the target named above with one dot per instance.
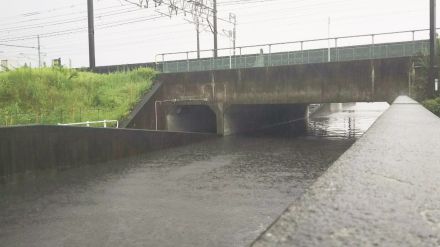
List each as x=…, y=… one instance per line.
x=33, y=148
x=384, y=191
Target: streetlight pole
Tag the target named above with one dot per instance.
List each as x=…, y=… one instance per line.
x=432, y=77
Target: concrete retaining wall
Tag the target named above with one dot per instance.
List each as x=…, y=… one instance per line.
x=383, y=191
x=33, y=148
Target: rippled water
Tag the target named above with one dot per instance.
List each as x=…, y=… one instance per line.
x=344, y=121
x=222, y=192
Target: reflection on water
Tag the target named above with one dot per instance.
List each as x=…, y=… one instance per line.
x=344, y=120
x=337, y=121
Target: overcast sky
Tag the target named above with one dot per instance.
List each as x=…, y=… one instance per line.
x=138, y=38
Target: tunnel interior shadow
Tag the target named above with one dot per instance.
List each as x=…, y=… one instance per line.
x=191, y=118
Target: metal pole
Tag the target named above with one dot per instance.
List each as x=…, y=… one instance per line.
x=328, y=41
x=91, y=34
x=233, y=18
x=215, y=27
x=433, y=49
x=198, y=38
x=39, y=51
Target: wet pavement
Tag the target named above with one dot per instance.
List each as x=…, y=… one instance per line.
x=222, y=192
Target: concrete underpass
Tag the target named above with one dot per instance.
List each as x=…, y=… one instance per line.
x=234, y=119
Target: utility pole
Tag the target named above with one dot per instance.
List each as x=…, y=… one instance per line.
x=432, y=77
x=233, y=19
x=215, y=27
x=39, y=51
x=91, y=34
x=198, y=38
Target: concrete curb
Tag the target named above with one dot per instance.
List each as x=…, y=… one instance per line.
x=383, y=191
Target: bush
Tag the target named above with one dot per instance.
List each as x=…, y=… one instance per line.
x=433, y=105
x=52, y=95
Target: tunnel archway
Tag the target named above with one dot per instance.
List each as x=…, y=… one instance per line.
x=191, y=118
x=241, y=119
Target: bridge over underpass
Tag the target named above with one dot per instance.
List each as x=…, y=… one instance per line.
x=245, y=92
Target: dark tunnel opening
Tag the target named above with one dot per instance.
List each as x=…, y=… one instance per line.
x=265, y=119
x=191, y=118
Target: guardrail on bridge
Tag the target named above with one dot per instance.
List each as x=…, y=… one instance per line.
x=405, y=43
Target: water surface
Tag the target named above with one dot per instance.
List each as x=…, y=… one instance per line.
x=222, y=192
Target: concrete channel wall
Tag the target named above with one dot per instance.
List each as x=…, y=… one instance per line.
x=33, y=148
x=383, y=191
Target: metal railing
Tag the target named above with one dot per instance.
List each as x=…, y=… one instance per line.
x=72, y=115
x=318, y=53
x=88, y=123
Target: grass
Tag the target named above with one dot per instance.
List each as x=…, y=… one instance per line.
x=57, y=95
x=433, y=105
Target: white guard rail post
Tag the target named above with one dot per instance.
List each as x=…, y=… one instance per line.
x=87, y=123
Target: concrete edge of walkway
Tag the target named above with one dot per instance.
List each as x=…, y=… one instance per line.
x=383, y=191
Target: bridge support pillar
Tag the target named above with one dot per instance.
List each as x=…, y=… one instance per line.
x=219, y=110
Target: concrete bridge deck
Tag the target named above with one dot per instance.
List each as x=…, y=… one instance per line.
x=384, y=191
x=228, y=101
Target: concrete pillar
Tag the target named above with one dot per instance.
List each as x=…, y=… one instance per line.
x=219, y=110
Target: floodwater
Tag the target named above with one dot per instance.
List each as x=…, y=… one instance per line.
x=222, y=192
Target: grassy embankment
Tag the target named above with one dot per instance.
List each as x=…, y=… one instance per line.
x=56, y=95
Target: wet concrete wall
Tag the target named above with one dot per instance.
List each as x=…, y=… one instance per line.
x=353, y=81
x=336, y=82
x=32, y=148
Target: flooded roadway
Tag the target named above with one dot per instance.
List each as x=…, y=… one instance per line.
x=222, y=192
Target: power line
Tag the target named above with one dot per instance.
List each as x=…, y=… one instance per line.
x=19, y=46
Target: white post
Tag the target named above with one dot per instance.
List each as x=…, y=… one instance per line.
x=155, y=113
x=270, y=55
x=105, y=123
x=39, y=52
x=187, y=61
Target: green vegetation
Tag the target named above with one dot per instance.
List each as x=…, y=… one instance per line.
x=433, y=105
x=57, y=95
x=420, y=88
